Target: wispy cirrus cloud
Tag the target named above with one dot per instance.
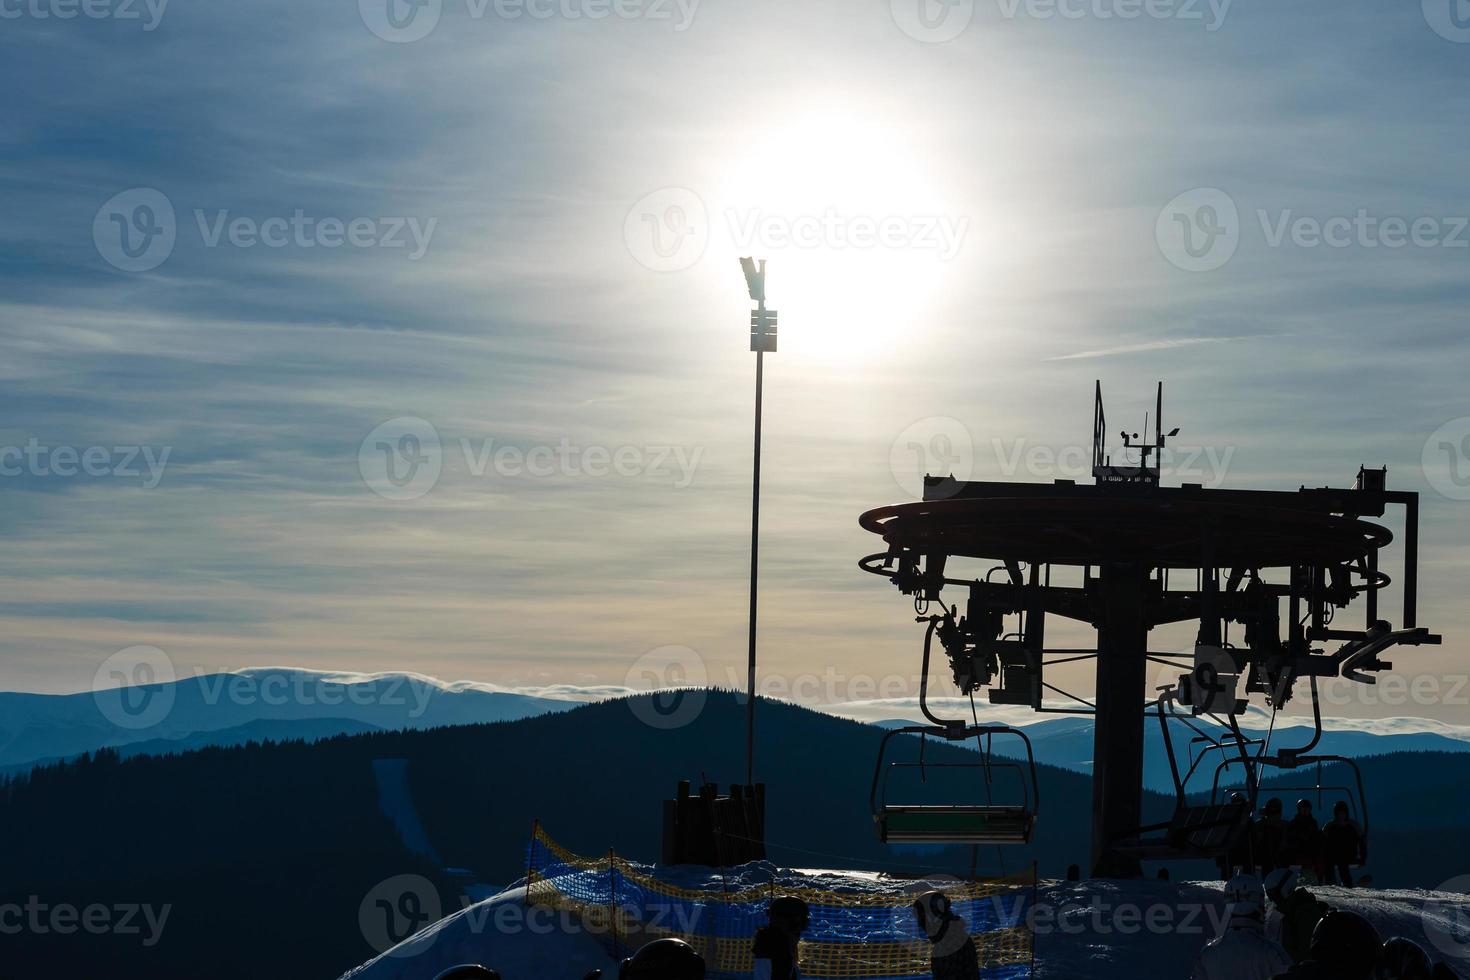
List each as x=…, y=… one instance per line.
x=1164, y=343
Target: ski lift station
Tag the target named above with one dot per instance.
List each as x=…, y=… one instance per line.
x=1267, y=575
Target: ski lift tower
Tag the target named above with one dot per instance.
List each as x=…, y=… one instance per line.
x=1277, y=564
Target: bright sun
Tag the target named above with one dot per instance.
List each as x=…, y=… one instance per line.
x=856, y=227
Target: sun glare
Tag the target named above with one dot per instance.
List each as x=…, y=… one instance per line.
x=856, y=225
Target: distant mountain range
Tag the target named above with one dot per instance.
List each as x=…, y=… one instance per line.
x=280, y=704
x=232, y=708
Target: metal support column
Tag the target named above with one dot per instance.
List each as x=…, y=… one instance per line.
x=1117, y=758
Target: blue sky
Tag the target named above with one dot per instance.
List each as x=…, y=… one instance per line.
x=519, y=231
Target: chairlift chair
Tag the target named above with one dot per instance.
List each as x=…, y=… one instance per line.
x=1326, y=795
x=1206, y=830
x=957, y=823
x=1301, y=758
x=1194, y=830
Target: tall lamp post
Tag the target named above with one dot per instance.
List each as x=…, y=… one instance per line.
x=762, y=339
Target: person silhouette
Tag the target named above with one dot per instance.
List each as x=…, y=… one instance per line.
x=777, y=945
x=953, y=955
x=1343, y=844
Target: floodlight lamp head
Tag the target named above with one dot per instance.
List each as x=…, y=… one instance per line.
x=755, y=279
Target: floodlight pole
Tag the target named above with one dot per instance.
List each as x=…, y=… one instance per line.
x=762, y=339
x=755, y=538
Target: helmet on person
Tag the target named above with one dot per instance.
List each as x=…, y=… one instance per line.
x=932, y=908
x=1238, y=797
x=663, y=959
x=1273, y=805
x=1281, y=883
x=1347, y=942
x=1304, y=804
x=468, y=971
x=1403, y=959
x=1340, y=807
x=789, y=912
x=1244, y=896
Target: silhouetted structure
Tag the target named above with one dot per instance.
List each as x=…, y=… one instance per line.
x=717, y=831
x=1133, y=539
x=762, y=341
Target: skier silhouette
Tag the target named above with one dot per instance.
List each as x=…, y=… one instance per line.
x=1304, y=838
x=776, y=944
x=1294, y=913
x=662, y=959
x=1343, y=844
x=1242, y=951
x=953, y=956
x=1345, y=946
x=1270, y=836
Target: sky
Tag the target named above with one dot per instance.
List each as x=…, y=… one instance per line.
x=395, y=335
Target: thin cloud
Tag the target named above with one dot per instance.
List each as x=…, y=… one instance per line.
x=1151, y=345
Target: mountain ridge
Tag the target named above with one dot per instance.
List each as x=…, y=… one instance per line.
x=37, y=727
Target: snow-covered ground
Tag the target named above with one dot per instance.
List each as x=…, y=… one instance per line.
x=1091, y=929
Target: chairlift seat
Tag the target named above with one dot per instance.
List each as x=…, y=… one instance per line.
x=1210, y=829
x=900, y=824
x=1010, y=822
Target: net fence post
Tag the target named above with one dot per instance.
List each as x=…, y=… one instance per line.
x=1031, y=919
x=531, y=858
x=612, y=898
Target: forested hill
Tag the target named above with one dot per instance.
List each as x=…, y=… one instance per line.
x=276, y=845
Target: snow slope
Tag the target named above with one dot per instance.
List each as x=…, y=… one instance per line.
x=395, y=800
x=1089, y=930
